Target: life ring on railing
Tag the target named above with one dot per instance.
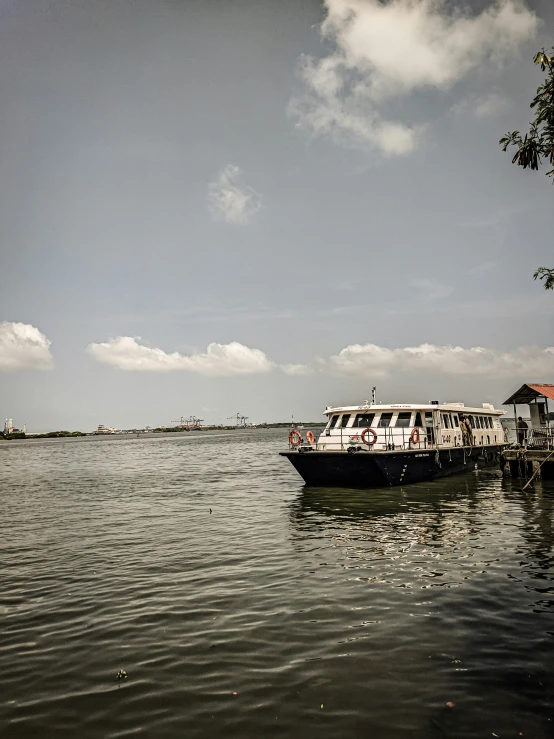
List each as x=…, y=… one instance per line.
x=414, y=436
x=295, y=438
x=364, y=438
x=310, y=437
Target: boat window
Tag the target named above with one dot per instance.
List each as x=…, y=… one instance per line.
x=418, y=421
x=490, y=421
x=344, y=420
x=455, y=421
x=403, y=419
x=385, y=420
x=333, y=422
x=363, y=420
x=428, y=418
x=477, y=422
x=471, y=421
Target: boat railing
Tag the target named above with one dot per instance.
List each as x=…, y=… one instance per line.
x=389, y=439
x=392, y=438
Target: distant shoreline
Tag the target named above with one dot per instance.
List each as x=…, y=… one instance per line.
x=19, y=436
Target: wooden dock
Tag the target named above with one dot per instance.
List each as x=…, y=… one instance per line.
x=525, y=463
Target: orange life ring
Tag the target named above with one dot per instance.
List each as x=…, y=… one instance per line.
x=414, y=436
x=295, y=438
x=310, y=437
x=364, y=439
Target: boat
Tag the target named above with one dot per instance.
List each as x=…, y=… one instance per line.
x=101, y=430
x=375, y=445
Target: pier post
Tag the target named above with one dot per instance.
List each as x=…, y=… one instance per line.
x=536, y=470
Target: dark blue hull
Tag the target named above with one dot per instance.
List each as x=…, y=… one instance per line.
x=366, y=469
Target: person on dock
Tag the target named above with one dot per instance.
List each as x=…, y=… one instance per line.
x=521, y=428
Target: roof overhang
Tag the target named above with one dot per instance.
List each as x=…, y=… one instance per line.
x=527, y=393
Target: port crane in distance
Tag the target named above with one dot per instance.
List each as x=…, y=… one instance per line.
x=239, y=420
x=191, y=423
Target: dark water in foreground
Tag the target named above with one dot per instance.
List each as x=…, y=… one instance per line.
x=330, y=613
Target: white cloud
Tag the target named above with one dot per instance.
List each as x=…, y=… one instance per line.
x=23, y=346
x=296, y=369
x=481, y=106
x=431, y=289
x=229, y=198
x=383, y=51
x=481, y=269
x=360, y=359
x=490, y=105
x=377, y=361
x=219, y=360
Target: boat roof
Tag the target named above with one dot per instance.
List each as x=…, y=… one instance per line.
x=487, y=408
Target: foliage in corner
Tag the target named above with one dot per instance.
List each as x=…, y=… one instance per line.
x=538, y=144
x=543, y=273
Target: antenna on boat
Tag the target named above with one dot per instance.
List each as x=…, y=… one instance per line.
x=373, y=391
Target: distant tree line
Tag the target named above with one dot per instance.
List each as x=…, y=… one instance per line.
x=48, y=435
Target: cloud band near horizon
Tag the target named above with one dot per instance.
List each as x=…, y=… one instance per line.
x=355, y=360
x=23, y=346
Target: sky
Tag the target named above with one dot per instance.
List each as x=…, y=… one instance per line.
x=267, y=207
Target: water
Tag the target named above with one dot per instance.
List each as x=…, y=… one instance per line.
x=286, y=612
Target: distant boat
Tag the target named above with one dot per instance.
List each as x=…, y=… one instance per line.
x=103, y=430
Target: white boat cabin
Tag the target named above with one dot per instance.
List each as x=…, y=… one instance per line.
x=410, y=426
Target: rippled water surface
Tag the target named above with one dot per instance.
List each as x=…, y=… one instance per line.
x=285, y=611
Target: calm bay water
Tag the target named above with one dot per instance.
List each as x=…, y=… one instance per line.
x=286, y=611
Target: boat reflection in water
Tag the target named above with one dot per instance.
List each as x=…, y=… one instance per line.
x=449, y=531
x=321, y=505
x=450, y=583
x=399, y=535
